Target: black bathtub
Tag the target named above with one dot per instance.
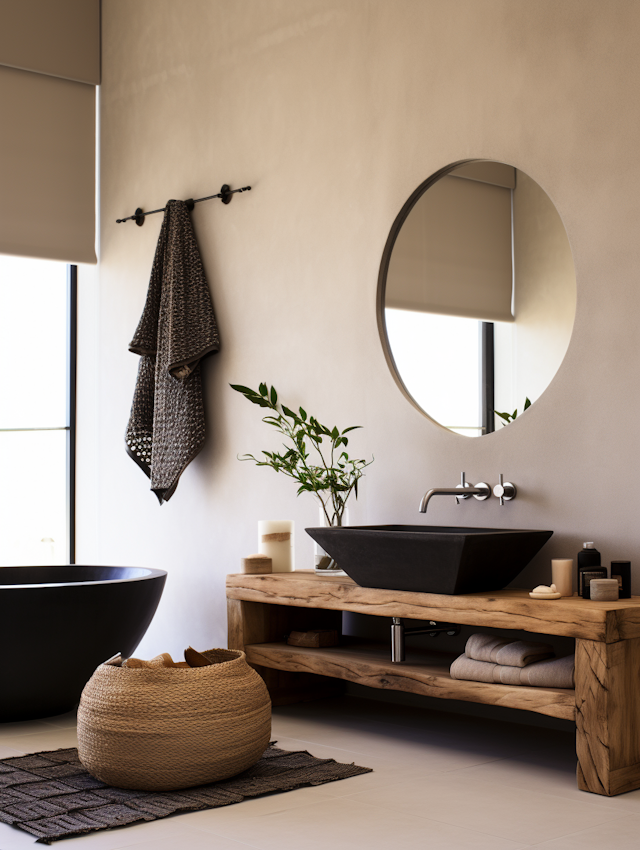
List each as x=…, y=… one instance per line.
x=58, y=623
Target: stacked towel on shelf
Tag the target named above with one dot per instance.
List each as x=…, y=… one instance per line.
x=516, y=653
x=494, y=660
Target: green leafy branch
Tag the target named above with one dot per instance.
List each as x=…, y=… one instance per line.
x=332, y=477
x=511, y=417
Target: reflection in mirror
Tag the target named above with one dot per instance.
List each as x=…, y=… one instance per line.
x=478, y=294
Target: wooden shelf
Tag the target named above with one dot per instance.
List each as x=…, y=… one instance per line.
x=424, y=672
x=607, y=622
x=605, y=705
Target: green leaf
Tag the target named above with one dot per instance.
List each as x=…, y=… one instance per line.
x=352, y=428
x=274, y=396
x=303, y=414
x=244, y=390
x=263, y=390
x=289, y=413
x=527, y=403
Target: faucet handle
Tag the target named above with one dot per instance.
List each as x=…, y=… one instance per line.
x=463, y=484
x=505, y=491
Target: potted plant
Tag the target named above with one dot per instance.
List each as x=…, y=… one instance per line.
x=314, y=455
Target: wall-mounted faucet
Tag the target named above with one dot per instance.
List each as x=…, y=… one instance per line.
x=505, y=491
x=480, y=492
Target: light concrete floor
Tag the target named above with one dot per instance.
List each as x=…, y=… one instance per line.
x=440, y=780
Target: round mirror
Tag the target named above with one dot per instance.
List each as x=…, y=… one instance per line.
x=476, y=296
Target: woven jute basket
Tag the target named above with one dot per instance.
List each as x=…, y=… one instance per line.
x=164, y=728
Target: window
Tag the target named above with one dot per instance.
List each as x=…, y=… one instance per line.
x=37, y=411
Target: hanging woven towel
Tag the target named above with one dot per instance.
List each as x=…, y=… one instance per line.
x=177, y=329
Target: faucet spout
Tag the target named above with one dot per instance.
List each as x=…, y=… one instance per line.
x=481, y=491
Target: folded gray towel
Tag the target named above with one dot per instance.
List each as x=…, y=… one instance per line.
x=552, y=673
x=516, y=653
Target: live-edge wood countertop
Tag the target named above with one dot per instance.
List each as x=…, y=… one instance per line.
x=512, y=608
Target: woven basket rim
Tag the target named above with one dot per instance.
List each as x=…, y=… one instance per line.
x=236, y=655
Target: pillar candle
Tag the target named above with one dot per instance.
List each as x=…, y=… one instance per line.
x=275, y=539
x=562, y=575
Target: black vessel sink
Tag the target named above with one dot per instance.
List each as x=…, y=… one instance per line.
x=430, y=558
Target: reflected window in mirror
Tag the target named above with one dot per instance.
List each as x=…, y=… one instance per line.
x=477, y=294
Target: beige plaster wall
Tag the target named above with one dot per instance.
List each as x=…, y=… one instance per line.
x=334, y=111
x=545, y=290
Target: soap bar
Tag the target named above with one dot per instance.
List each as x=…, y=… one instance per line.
x=604, y=589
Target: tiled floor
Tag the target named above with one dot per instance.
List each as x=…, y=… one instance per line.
x=440, y=781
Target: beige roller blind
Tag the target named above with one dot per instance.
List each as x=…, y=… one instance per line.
x=453, y=253
x=49, y=68
x=56, y=37
x=47, y=167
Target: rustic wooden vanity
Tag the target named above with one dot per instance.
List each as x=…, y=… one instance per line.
x=605, y=705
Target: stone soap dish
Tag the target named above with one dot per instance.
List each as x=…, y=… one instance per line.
x=544, y=592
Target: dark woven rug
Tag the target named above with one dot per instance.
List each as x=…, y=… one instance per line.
x=52, y=796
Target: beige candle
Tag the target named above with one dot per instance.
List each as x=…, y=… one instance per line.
x=603, y=589
x=562, y=575
x=257, y=565
x=275, y=539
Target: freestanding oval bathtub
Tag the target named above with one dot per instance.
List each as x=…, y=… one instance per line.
x=57, y=624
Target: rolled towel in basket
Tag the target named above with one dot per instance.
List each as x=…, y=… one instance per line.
x=551, y=673
x=513, y=653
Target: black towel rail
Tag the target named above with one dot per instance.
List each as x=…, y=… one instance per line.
x=225, y=194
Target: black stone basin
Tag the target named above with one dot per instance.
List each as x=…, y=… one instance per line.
x=431, y=558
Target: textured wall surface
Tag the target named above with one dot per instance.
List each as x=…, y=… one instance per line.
x=334, y=111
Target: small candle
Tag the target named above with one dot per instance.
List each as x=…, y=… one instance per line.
x=257, y=565
x=604, y=589
x=275, y=539
x=562, y=575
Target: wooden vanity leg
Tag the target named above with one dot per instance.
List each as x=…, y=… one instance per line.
x=608, y=716
x=257, y=622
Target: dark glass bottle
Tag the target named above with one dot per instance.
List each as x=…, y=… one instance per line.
x=589, y=566
x=622, y=571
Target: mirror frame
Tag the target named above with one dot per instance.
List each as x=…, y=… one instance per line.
x=382, y=282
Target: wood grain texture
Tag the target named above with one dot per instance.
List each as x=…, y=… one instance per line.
x=606, y=703
x=608, y=716
x=426, y=674
x=508, y=609
x=251, y=622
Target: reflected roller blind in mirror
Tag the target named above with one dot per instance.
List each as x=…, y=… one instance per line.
x=49, y=68
x=453, y=253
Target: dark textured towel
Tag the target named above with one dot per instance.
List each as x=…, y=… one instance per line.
x=166, y=428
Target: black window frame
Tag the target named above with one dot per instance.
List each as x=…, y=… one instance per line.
x=72, y=389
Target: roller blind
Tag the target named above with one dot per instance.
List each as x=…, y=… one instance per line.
x=49, y=67
x=453, y=253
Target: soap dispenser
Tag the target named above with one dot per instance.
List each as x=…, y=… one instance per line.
x=589, y=566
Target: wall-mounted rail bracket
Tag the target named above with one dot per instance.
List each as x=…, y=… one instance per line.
x=225, y=194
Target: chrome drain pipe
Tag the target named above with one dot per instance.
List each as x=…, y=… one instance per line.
x=399, y=632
